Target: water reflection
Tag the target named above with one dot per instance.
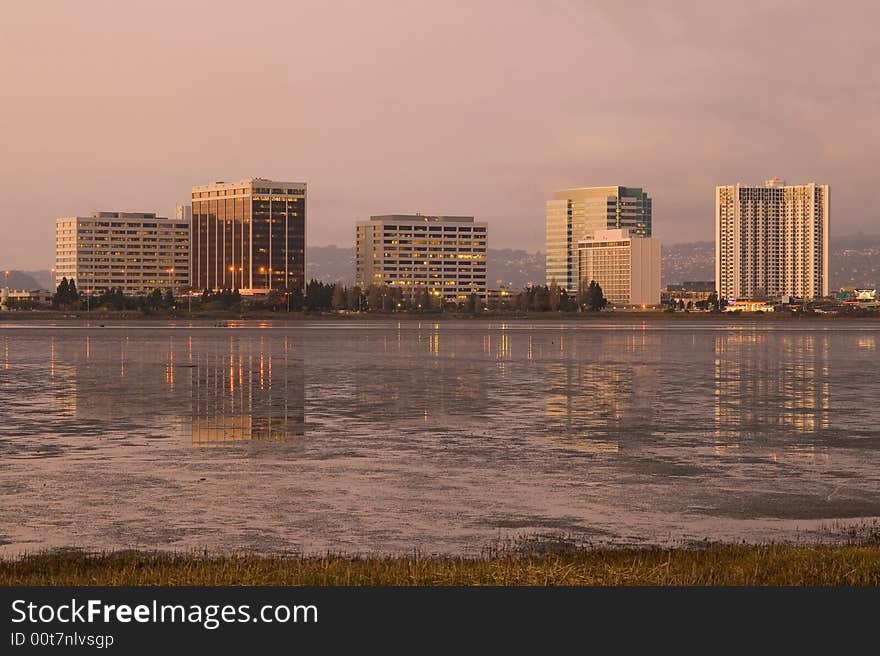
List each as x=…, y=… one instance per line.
x=203, y=390
x=242, y=391
x=434, y=436
x=596, y=396
x=766, y=383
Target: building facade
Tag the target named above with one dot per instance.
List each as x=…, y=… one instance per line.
x=688, y=292
x=771, y=241
x=249, y=235
x=183, y=213
x=627, y=267
x=444, y=255
x=133, y=251
x=574, y=212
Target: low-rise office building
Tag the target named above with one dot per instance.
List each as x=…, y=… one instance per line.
x=35, y=296
x=625, y=266
x=749, y=306
x=136, y=252
x=443, y=255
x=688, y=292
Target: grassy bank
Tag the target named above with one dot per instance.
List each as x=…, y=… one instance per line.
x=713, y=565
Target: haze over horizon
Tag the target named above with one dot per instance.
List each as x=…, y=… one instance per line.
x=478, y=108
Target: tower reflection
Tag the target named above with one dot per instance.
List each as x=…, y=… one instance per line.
x=242, y=390
x=599, y=393
x=766, y=382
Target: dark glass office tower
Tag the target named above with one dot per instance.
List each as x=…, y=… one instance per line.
x=249, y=235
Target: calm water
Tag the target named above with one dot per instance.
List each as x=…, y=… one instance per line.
x=388, y=437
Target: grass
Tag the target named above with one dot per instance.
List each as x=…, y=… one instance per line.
x=849, y=565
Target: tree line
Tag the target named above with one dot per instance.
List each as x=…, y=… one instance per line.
x=321, y=297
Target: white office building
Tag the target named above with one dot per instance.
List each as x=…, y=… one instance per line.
x=444, y=255
x=627, y=267
x=134, y=251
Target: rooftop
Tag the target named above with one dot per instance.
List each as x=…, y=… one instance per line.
x=421, y=217
x=248, y=182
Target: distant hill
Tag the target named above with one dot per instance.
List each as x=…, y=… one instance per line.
x=45, y=278
x=514, y=268
x=508, y=267
x=330, y=264
x=854, y=261
x=694, y=261
x=20, y=280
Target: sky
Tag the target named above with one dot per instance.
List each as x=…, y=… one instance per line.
x=480, y=108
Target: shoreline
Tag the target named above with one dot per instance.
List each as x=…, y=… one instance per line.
x=855, y=564
x=296, y=317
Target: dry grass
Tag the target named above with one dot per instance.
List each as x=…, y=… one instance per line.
x=712, y=565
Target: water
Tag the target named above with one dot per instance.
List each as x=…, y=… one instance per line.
x=381, y=436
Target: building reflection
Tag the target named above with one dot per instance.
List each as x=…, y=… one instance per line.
x=772, y=381
x=422, y=378
x=591, y=403
x=204, y=390
x=242, y=391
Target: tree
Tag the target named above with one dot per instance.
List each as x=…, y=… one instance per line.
x=354, y=298
x=554, y=295
x=61, y=292
x=541, y=298
x=713, y=301
x=374, y=298
x=66, y=294
x=567, y=303
x=154, y=299
x=275, y=299
x=595, y=298
x=339, y=297
x=473, y=305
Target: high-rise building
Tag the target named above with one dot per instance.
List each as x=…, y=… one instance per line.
x=771, y=241
x=249, y=235
x=574, y=212
x=445, y=255
x=183, y=213
x=134, y=251
x=626, y=267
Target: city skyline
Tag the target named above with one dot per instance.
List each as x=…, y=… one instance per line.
x=681, y=108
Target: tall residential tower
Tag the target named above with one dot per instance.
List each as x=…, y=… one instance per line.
x=573, y=213
x=249, y=235
x=771, y=241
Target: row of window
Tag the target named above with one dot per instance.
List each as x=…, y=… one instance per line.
x=222, y=193
x=421, y=228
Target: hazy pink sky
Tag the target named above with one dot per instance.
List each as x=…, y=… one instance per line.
x=480, y=108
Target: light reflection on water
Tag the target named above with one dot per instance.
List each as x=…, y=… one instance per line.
x=383, y=436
